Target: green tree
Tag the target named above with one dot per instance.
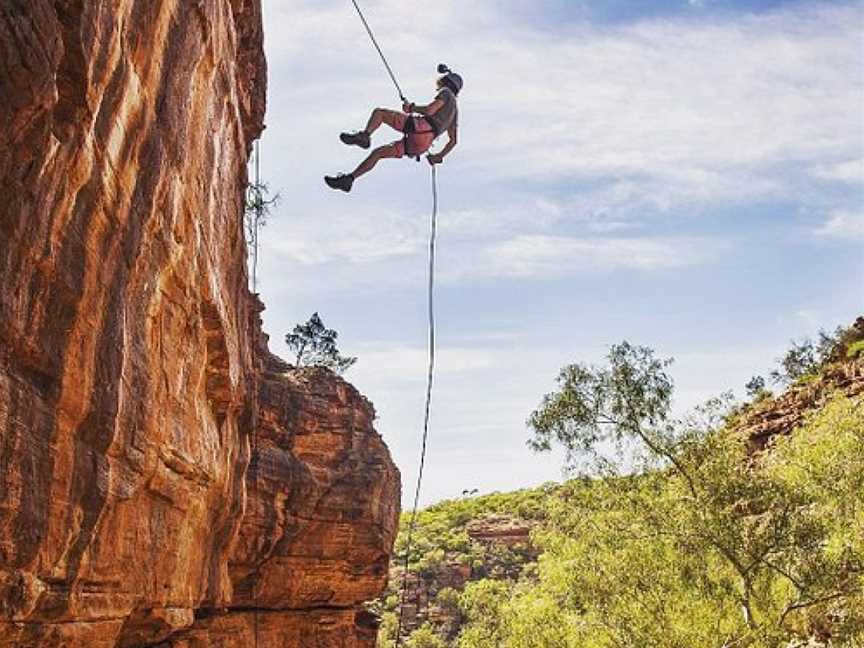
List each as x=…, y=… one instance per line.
x=482, y=605
x=425, y=637
x=808, y=356
x=706, y=547
x=595, y=406
x=756, y=388
x=314, y=345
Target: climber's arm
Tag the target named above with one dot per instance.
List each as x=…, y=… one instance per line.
x=453, y=139
x=429, y=109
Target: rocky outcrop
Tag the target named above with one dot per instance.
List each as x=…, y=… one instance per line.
x=501, y=529
x=771, y=417
x=499, y=547
x=163, y=479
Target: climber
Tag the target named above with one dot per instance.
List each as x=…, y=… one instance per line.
x=419, y=124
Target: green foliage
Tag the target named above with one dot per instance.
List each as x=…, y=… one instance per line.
x=387, y=630
x=442, y=527
x=706, y=543
x=448, y=598
x=823, y=466
x=807, y=357
x=482, y=604
x=624, y=402
x=425, y=637
x=713, y=545
x=315, y=346
x=257, y=209
x=855, y=350
x=756, y=389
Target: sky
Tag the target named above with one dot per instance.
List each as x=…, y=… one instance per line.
x=686, y=175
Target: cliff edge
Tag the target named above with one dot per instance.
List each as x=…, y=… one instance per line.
x=164, y=480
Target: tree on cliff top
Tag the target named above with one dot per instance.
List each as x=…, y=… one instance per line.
x=314, y=345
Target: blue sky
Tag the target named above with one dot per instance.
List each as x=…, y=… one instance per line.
x=685, y=175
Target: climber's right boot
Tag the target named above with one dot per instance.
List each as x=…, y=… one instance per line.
x=360, y=138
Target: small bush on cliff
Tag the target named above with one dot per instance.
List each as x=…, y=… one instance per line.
x=314, y=345
x=256, y=211
x=756, y=389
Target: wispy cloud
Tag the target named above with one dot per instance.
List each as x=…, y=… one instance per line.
x=543, y=256
x=851, y=171
x=843, y=224
x=662, y=114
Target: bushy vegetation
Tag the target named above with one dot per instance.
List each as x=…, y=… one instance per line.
x=441, y=544
x=743, y=552
x=441, y=527
x=257, y=209
x=681, y=534
x=806, y=358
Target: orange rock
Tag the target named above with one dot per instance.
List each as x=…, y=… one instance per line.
x=133, y=373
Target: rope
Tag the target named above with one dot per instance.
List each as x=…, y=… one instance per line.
x=259, y=210
x=255, y=459
x=429, y=376
x=431, y=370
x=380, y=53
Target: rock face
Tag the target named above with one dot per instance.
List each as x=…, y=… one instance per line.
x=501, y=529
x=163, y=479
x=783, y=414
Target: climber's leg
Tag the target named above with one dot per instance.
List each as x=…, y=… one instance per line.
x=393, y=118
x=394, y=150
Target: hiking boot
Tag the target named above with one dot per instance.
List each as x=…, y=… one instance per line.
x=360, y=138
x=342, y=181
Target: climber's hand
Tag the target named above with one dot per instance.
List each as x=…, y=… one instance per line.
x=435, y=159
x=408, y=107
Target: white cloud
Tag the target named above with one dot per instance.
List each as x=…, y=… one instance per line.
x=843, y=224
x=665, y=114
x=851, y=171
x=581, y=147
x=546, y=256
x=407, y=361
x=356, y=236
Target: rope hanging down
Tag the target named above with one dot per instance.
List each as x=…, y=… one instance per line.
x=255, y=459
x=429, y=376
x=380, y=53
x=430, y=373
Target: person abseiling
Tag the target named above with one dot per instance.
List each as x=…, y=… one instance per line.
x=420, y=126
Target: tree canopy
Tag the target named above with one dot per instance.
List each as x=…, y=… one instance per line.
x=314, y=345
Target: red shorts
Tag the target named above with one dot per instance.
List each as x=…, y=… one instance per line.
x=417, y=142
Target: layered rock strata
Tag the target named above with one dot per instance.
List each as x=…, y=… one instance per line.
x=163, y=480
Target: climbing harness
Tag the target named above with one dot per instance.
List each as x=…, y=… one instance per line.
x=431, y=306
x=411, y=129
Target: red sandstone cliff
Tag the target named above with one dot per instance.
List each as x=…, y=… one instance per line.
x=164, y=480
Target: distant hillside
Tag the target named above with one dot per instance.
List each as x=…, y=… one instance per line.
x=764, y=548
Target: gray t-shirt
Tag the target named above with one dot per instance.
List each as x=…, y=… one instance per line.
x=447, y=114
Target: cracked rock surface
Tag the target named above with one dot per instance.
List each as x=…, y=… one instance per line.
x=164, y=480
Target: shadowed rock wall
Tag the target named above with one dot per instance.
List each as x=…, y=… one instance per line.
x=133, y=374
